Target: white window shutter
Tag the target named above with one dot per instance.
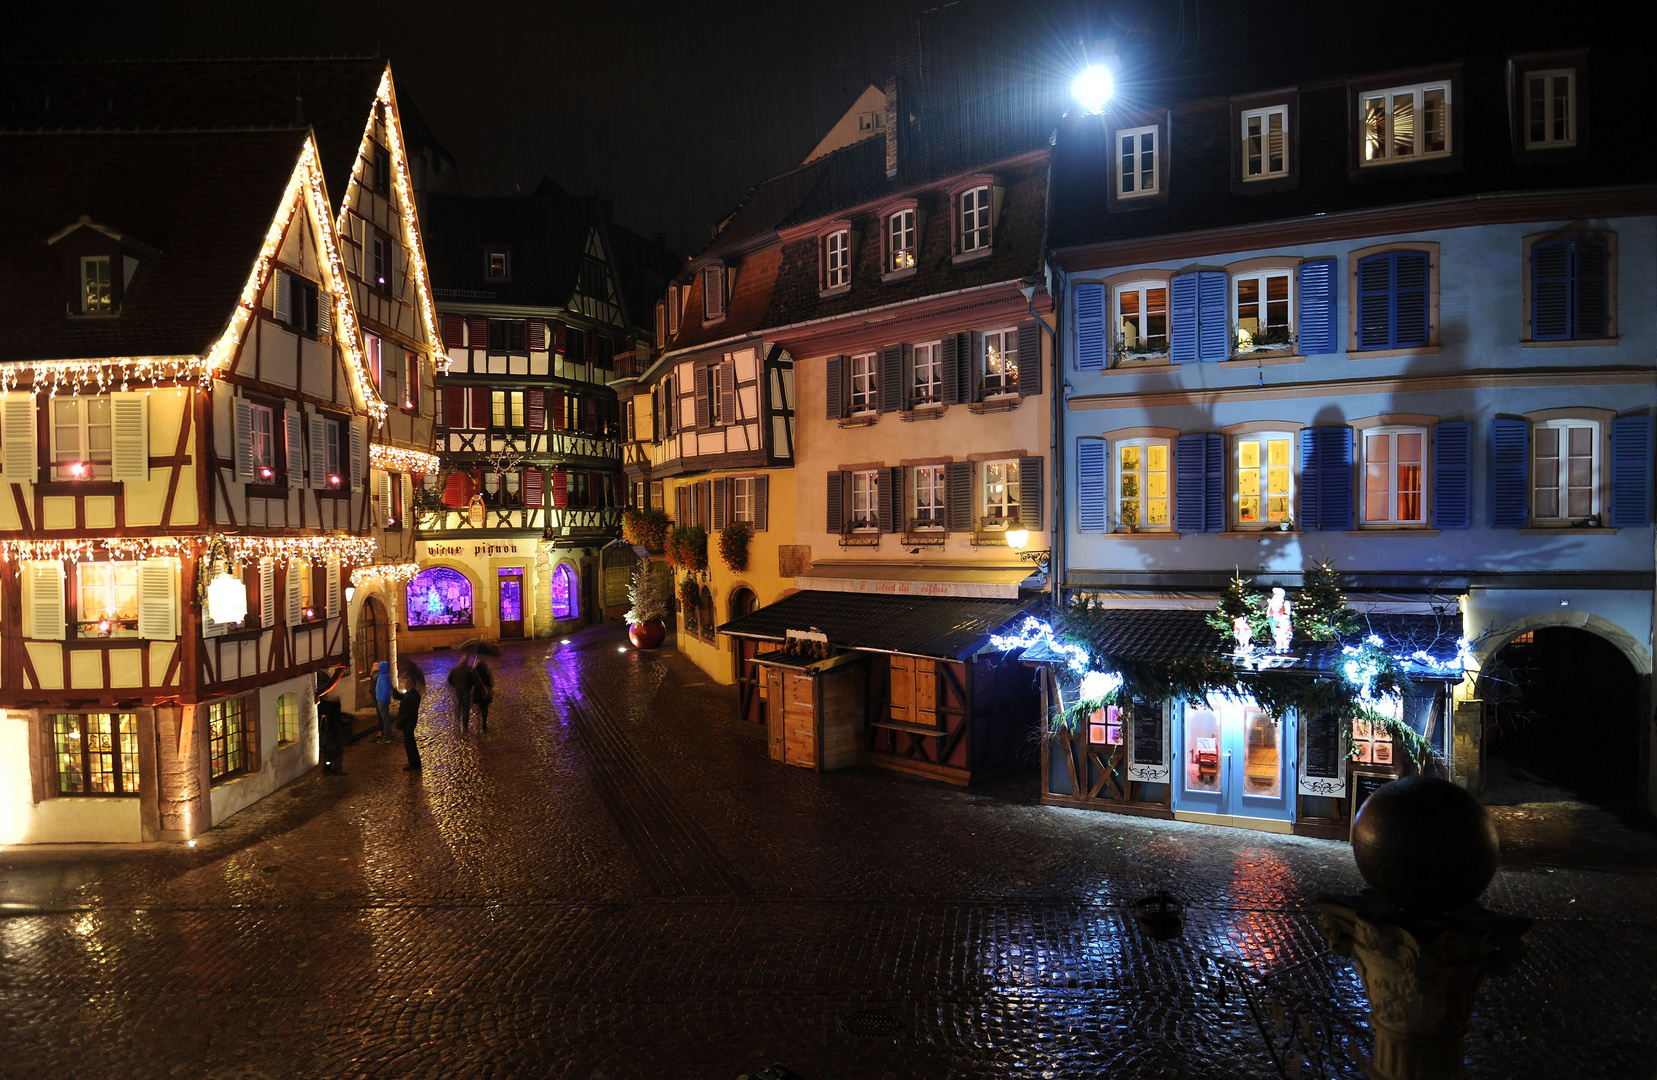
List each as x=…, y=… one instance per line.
x=385, y=498
x=157, y=599
x=46, y=611
x=295, y=431
x=319, y=459
x=130, y=437
x=356, y=455
x=244, y=441
x=17, y=439
x=333, y=588
x=324, y=313
x=284, y=298
x=267, y=592
x=295, y=568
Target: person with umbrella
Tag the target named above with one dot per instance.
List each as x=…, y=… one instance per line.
x=483, y=690
x=408, y=709
x=469, y=685
x=461, y=681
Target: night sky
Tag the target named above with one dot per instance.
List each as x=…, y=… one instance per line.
x=675, y=110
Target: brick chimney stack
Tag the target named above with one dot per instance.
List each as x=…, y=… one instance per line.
x=893, y=117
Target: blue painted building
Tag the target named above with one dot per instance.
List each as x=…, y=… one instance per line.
x=1401, y=321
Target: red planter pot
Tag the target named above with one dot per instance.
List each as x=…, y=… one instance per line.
x=646, y=635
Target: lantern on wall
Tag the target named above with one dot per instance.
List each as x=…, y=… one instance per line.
x=226, y=599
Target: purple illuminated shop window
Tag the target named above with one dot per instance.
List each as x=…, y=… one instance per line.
x=439, y=597
x=564, y=593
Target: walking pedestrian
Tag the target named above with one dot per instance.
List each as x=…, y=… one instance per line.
x=461, y=682
x=483, y=690
x=382, y=699
x=408, y=709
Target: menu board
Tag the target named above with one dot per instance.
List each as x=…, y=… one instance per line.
x=1365, y=785
x=1322, y=756
x=1148, y=757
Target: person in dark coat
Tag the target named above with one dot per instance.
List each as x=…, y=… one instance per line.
x=461, y=680
x=483, y=690
x=382, y=699
x=408, y=709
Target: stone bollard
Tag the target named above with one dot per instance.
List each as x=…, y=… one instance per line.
x=1421, y=942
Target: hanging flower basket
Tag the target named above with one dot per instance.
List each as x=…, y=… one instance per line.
x=690, y=602
x=687, y=548
x=644, y=528
x=733, y=545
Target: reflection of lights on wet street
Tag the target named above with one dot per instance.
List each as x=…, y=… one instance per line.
x=565, y=641
x=192, y=843
x=621, y=648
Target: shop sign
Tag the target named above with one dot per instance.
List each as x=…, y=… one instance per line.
x=1148, y=744
x=474, y=512
x=1322, y=756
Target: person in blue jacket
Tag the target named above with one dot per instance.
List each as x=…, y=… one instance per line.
x=382, y=700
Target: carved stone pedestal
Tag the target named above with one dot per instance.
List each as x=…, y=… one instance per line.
x=1422, y=974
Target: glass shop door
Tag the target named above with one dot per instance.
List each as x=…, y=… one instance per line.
x=1235, y=762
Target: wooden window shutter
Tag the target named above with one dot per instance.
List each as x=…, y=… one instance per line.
x=482, y=414
x=46, y=607
x=18, y=456
x=454, y=331
x=319, y=458
x=267, y=592
x=1410, y=299
x=883, y=500
x=1453, y=475
x=891, y=380
x=1031, y=489
x=1374, y=306
x=958, y=495
x=720, y=501
x=969, y=359
x=333, y=588
x=902, y=682
x=356, y=455
x=1214, y=491
x=1029, y=358
x=130, y=437
x=1190, y=473
x=454, y=407
x=1591, y=317
x=727, y=392
x=926, y=692
x=713, y=292
x=244, y=440
x=479, y=326
x=951, y=371
x=1334, y=447
x=1213, y=316
x=898, y=497
x=1317, y=307
x=534, y=489
x=284, y=297
x=157, y=599
x=703, y=420
x=1090, y=327
x=560, y=338
x=679, y=506
x=589, y=415
x=762, y=502
x=1311, y=481
x=834, y=387
x=1550, y=296
x=1631, y=449
x=1182, y=319
x=385, y=498
x=1092, y=514
x=324, y=314
x=290, y=580
x=537, y=335
x=536, y=404
x=835, y=506
x=558, y=413
x=294, y=431
x=560, y=488
x=1509, y=473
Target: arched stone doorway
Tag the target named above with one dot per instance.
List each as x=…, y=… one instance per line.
x=1564, y=707
x=373, y=644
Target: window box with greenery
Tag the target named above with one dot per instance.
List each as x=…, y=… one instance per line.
x=646, y=528
x=733, y=545
x=687, y=548
x=690, y=604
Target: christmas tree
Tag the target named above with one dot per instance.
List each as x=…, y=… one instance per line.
x=1322, y=612
x=1240, y=600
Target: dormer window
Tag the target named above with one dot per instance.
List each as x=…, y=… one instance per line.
x=837, y=261
x=713, y=292
x=1265, y=142
x=900, y=240
x=974, y=217
x=672, y=310
x=1405, y=123
x=1550, y=100
x=97, y=293
x=1136, y=172
x=498, y=265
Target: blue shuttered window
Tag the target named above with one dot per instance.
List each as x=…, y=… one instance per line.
x=1568, y=289
x=1631, y=450
x=1453, y=475
x=1199, y=323
x=1214, y=493
x=1317, y=307
x=1509, y=473
x=1326, y=478
x=1090, y=327
x=1199, y=483
x=1182, y=319
x=1394, y=300
x=1091, y=512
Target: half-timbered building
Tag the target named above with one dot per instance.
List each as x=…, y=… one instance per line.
x=184, y=442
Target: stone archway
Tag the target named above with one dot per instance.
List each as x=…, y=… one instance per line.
x=1637, y=655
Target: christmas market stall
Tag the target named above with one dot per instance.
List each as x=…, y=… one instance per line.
x=910, y=683
x=1272, y=712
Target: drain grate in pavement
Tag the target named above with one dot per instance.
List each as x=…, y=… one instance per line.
x=870, y=1023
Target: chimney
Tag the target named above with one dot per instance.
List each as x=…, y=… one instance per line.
x=892, y=117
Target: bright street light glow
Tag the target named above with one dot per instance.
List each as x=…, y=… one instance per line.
x=1093, y=88
x=1018, y=538
x=621, y=648
x=566, y=641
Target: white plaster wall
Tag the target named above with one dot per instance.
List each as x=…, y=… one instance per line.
x=277, y=766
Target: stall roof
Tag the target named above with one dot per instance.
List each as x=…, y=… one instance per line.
x=1161, y=636
x=909, y=579
x=944, y=627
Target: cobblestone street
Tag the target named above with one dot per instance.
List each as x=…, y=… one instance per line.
x=622, y=885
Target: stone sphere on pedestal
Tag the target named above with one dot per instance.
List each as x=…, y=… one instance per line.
x=1425, y=844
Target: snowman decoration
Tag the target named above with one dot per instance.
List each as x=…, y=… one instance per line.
x=1278, y=611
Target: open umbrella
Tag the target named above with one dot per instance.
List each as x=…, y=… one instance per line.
x=410, y=675
x=479, y=647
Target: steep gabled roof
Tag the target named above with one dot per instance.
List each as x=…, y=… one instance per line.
x=332, y=95
x=204, y=200
x=643, y=267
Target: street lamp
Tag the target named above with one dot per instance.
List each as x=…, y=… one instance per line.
x=1093, y=87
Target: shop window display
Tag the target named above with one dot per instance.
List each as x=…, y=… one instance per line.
x=563, y=593
x=439, y=597
x=1202, y=750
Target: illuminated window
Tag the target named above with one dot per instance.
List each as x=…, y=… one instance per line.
x=305, y=573
x=1142, y=321
x=229, y=739
x=742, y=505
x=97, y=294
x=1261, y=312
x=439, y=596
x=1265, y=142
x=1136, y=172
x=1000, y=361
x=865, y=501
x=1265, y=479
x=1405, y=123
x=1000, y=493
x=900, y=240
x=1142, y=484
x=287, y=719
x=95, y=753
x=262, y=431
x=565, y=593
x=864, y=387
x=106, y=598
x=1565, y=467
x=81, y=438
x=929, y=373
x=498, y=265
x=929, y=496
x=1392, y=476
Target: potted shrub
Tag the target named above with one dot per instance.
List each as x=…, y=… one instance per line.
x=733, y=545
x=646, y=617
